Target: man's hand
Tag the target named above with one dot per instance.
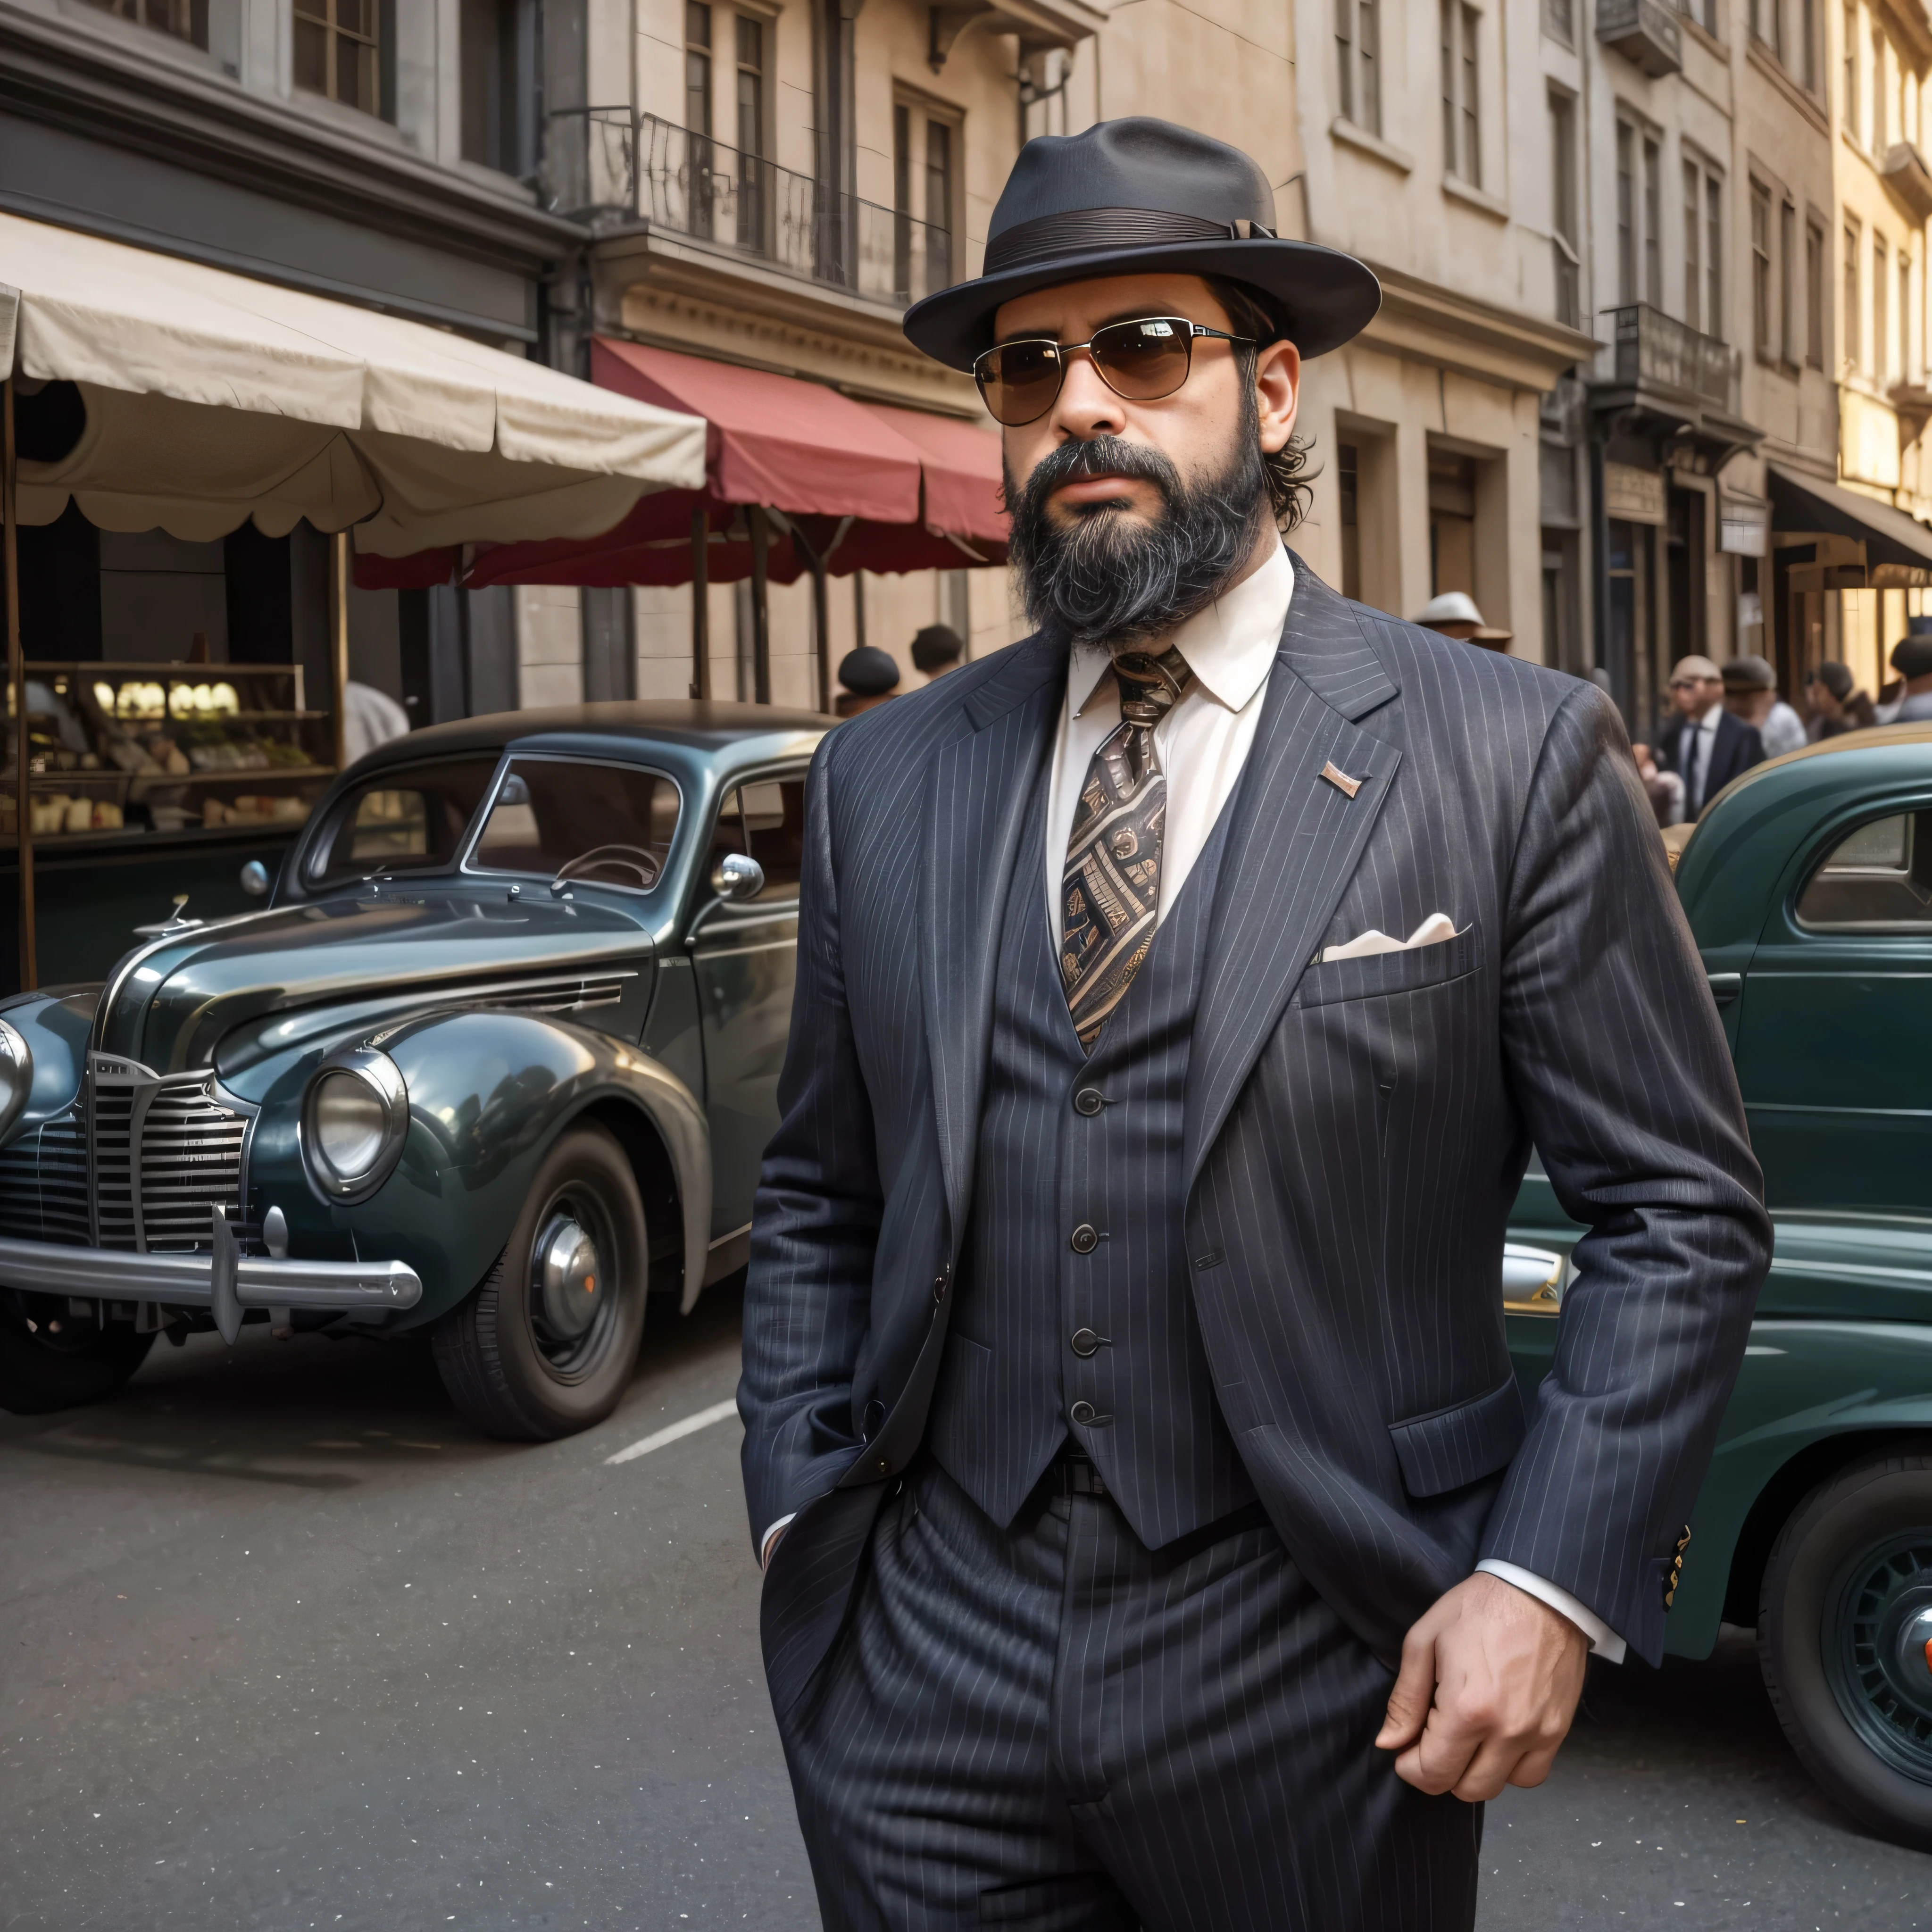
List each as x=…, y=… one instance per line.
x=1489, y=1681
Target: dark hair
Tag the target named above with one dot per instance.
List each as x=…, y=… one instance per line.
x=1835, y=677
x=1286, y=468
x=868, y=672
x=935, y=647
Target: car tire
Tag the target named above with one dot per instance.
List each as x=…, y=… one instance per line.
x=42, y=1371
x=1845, y=1640
x=512, y=1355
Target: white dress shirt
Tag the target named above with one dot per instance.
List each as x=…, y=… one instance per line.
x=1201, y=745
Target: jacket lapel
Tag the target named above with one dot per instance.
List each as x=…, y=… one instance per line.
x=1294, y=842
x=976, y=806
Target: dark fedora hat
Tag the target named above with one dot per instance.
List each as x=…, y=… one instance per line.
x=1144, y=195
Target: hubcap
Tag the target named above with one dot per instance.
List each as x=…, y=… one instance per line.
x=569, y=1281
x=1879, y=1658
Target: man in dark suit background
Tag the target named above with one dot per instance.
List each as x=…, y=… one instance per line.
x=1154, y=1534
x=1707, y=746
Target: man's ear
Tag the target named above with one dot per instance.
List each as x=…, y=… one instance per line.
x=1277, y=393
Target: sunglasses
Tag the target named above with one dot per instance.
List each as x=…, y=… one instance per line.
x=1141, y=361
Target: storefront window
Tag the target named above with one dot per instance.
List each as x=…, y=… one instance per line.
x=338, y=51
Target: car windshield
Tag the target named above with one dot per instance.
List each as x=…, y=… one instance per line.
x=408, y=820
x=605, y=825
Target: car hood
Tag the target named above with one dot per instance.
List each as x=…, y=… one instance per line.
x=169, y=1003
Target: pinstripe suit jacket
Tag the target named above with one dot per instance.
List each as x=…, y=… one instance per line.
x=1355, y=1131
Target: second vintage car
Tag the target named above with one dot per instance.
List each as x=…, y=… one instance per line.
x=500, y=1055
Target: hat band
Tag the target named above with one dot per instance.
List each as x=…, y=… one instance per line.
x=1086, y=231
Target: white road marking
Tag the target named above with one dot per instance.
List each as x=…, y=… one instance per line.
x=690, y=1426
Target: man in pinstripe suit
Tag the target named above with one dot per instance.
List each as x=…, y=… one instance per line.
x=1154, y=1534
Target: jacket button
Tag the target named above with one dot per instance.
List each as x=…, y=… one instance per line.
x=1083, y=1413
x=1089, y=1101
x=1085, y=1341
x=939, y=1287
x=1084, y=1239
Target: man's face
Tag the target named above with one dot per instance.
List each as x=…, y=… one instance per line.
x=1694, y=696
x=1195, y=428
x=1752, y=706
x=1130, y=516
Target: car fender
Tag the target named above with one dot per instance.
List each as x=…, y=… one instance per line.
x=489, y=1092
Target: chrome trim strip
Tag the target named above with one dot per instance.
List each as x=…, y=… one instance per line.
x=185, y=1280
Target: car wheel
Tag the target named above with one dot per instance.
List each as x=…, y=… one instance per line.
x=544, y=1346
x=1845, y=1637
x=48, y=1367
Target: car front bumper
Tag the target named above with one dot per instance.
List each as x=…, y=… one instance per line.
x=225, y=1281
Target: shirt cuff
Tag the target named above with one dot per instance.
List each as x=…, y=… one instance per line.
x=771, y=1536
x=1604, y=1641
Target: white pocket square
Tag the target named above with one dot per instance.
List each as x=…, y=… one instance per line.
x=1433, y=930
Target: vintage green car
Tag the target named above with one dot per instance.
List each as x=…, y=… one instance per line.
x=499, y=1057
x=1808, y=887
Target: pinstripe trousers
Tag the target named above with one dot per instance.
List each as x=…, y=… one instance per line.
x=1050, y=1727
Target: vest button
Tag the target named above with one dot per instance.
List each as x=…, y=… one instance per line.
x=1085, y=1341
x=1084, y=1239
x=1083, y=1413
x=1089, y=1101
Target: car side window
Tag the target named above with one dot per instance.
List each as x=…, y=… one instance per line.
x=765, y=819
x=1877, y=880
x=605, y=825
x=409, y=820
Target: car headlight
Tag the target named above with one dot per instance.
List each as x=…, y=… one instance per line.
x=355, y=1119
x=17, y=1076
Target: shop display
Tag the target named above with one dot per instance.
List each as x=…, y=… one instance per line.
x=130, y=749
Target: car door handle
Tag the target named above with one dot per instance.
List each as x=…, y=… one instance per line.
x=1725, y=987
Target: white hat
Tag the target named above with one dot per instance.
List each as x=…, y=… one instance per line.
x=1452, y=607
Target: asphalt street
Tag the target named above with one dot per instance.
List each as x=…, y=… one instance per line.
x=289, y=1646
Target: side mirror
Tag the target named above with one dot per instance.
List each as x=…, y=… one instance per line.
x=736, y=876
x=255, y=879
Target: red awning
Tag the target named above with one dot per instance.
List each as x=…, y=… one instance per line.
x=797, y=446
x=961, y=462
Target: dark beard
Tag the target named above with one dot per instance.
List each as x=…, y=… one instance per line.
x=1106, y=577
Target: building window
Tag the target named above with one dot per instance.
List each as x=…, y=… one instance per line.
x=185, y=19
x=1905, y=318
x=1694, y=181
x=1462, y=126
x=1704, y=12
x=697, y=67
x=1854, y=335
x=1348, y=463
x=498, y=41
x=1563, y=211
x=1653, y=225
x=751, y=132
x=1760, y=243
x=1881, y=339
x=1713, y=257
x=337, y=53
x=1875, y=95
x=1787, y=270
x=925, y=154
x=1848, y=109
x=1559, y=21
x=1807, y=16
x=1626, y=215
x=1814, y=295
x=1358, y=64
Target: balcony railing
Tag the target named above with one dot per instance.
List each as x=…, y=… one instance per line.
x=635, y=167
x=1652, y=350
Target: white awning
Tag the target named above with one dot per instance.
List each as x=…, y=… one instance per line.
x=211, y=398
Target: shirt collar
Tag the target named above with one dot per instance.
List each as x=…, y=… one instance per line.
x=1230, y=647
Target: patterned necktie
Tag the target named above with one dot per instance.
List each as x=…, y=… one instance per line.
x=1110, y=891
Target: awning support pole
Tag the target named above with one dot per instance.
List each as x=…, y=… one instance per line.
x=761, y=613
x=17, y=685
x=338, y=651
x=700, y=604
x=821, y=610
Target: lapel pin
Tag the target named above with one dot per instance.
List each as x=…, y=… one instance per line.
x=1340, y=780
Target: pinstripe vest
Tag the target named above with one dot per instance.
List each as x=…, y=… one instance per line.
x=1069, y=1143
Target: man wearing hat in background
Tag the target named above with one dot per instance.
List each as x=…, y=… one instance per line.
x=1154, y=1535
x=1454, y=615
x=1751, y=696
x=1706, y=746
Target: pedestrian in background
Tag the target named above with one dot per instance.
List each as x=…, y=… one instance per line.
x=1837, y=705
x=1705, y=745
x=1665, y=789
x=1912, y=658
x=1454, y=614
x=1750, y=693
x=936, y=650
x=869, y=677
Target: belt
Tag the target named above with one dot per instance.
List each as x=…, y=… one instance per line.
x=1073, y=1473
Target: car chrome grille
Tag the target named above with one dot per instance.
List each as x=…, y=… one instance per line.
x=62, y=1183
